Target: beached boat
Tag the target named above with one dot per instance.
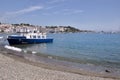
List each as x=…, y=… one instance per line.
x=29, y=38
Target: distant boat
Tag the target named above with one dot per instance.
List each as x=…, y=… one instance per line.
x=29, y=38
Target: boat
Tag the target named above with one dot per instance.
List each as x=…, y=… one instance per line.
x=29, y=38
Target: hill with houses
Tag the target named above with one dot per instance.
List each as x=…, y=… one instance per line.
x=23, y=27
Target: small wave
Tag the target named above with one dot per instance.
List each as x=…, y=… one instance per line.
x=33, y=52
x=13, y=48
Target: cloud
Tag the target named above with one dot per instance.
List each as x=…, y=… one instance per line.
x=55, y=1
x=67, y=12
x=23, y=11
x=50, y=7
x=64, y=12
x=71, y=11
x=8, y=15
x=46, y=14
x=78, y=11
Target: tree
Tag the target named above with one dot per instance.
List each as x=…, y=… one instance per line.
x=24, y=24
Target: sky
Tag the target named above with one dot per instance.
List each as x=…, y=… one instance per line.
x=83, y=14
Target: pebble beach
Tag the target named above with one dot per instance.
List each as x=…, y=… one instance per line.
x=14, y=69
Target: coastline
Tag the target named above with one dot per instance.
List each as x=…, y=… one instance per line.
x=16, y=67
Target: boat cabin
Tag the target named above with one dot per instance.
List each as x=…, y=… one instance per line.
x=35, y=35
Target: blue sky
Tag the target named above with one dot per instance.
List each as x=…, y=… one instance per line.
x=82, y=14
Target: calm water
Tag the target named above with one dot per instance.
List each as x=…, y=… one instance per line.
x=84, y=48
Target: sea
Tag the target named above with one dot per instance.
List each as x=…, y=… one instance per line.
x=89, y=49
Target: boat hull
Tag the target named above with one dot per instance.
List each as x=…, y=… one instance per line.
x=16, y=41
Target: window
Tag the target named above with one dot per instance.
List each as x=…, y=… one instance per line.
x=43, y=37
x=38, y=36
x=34, y=36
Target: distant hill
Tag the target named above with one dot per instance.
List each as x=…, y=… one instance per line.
x=28, y=27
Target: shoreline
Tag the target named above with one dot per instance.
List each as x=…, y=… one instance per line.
x=19, y=58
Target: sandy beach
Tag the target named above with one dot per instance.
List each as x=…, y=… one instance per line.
x=15, y=69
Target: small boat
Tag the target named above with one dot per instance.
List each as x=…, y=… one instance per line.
x=29, y=38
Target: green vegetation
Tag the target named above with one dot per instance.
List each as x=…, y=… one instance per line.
x=71, y=29
x=66, y=29
x=21, y=24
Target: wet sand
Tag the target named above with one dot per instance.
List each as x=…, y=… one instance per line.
x=17, y=68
